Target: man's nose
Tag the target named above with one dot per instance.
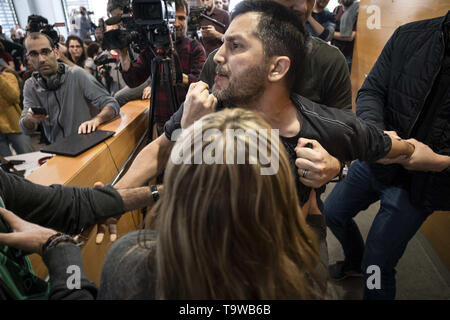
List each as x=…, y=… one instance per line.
x=42, y=58
x=218, y=57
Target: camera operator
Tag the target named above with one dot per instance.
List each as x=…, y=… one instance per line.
x=191, y=55
x=211, y=33
x=63, y=95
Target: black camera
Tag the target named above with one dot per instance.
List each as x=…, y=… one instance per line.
x=103, y=60
x=40, y=24
x=148, y=23
x=195, y=15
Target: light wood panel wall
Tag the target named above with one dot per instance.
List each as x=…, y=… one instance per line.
x=100, y=163
x=370, y=40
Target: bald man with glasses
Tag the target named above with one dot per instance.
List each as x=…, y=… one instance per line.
x=64, y=95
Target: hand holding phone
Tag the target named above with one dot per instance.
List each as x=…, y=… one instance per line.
x=36, y=114
x=39, y=111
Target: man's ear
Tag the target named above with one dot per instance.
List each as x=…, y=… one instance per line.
x=279, y=67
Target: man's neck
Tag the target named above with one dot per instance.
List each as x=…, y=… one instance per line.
x=279, y=111
x=344, y=7
x=317, y=9
x=45, y=77
x=210, y=12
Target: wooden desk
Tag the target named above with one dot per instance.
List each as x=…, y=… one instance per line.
x=100, y=163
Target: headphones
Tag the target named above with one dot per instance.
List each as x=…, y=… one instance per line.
x=54, y=81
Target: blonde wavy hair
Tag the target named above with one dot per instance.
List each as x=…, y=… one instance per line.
x=227, y=232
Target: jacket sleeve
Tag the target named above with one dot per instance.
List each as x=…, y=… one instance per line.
x=9, y=88
x=29, y=100
x=94, y=92
x=67, y=278
x=372, y=96
x=344, y=135
x=140, y=70
x=63, y=208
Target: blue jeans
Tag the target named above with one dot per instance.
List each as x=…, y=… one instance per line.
x=394, y=225
x=20, y=142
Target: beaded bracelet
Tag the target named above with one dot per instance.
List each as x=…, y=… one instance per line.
x=55, y=239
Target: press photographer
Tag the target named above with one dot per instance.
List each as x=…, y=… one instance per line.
x=190, y=54
x=108, y=73
x=212, y=33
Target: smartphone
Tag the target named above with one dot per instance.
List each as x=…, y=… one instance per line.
x=39, y=110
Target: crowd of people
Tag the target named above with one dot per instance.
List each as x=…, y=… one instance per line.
x=219, y=228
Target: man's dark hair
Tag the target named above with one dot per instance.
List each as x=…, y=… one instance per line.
x=37, y=35
x=92, y=49
x=35, y=17
x=182, y=4
x=114, y=4
x=280, y=31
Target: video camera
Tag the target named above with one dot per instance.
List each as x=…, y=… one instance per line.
x=195, y=15
x=40, y=24
x=103, y=60
x=149, y=23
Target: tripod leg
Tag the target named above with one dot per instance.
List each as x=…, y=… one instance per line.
x=153, y=98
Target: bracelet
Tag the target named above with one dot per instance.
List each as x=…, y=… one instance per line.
x=53, y=240
x=155, y=193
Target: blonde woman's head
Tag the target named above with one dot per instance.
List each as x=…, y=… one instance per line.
x=227, y=231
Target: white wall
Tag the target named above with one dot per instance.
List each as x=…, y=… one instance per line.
x=50, y=9
x=53, y=11
x=331, y=5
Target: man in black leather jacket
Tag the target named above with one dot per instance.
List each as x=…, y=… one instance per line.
x=407, y=92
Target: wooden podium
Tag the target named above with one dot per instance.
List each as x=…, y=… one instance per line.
x=100, y=163
x=377, y=21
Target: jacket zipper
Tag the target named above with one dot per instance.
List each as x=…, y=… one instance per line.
x=429, y=90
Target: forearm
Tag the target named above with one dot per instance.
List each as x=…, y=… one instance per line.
x=318, y=28
x=148, y=164
x=125, y=60
x=66, y=60
x=137, y=198
x=400, y=148
x=28, y=123
x=63, y=208
x=337, y=36
x=107, y=114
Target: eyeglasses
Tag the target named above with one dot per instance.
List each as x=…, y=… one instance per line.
x=44, y=52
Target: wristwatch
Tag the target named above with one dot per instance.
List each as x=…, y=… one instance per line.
x=342, y=174
x=344, y=171
x=155, y=193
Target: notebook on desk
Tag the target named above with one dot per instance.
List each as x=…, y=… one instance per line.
x=77, y=143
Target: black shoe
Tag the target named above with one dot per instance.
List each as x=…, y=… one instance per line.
x=341, y=270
